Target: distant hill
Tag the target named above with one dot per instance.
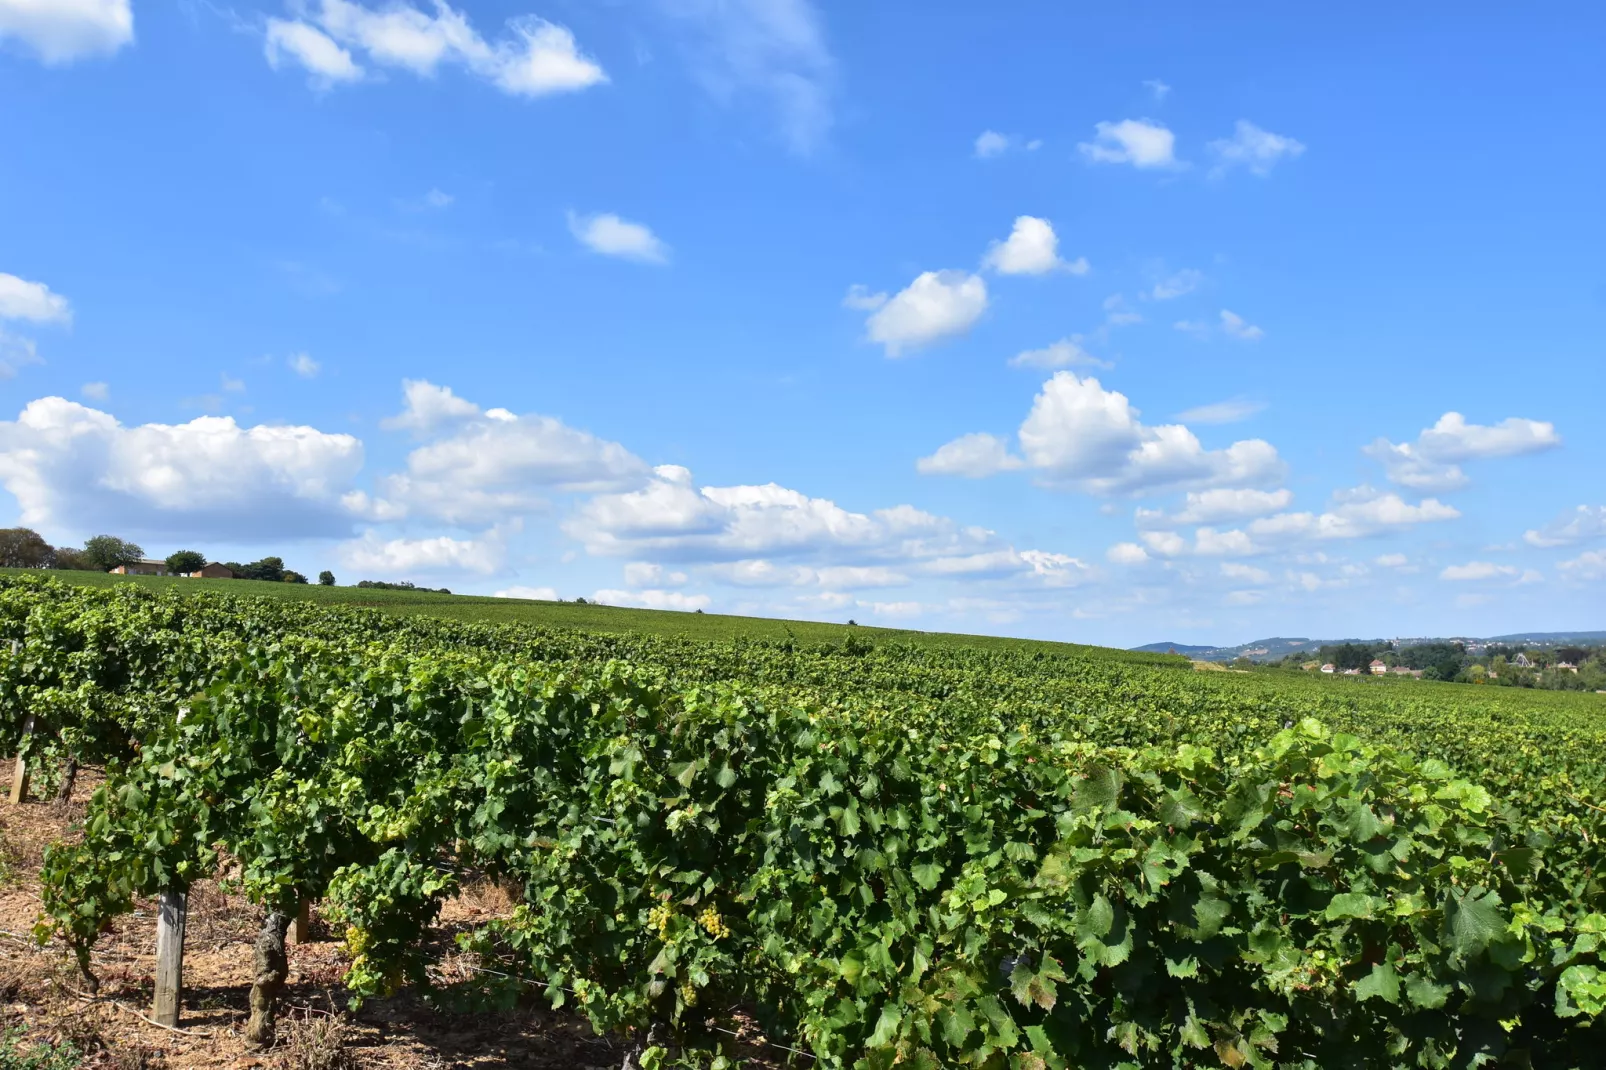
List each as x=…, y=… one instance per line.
x=1280, y=647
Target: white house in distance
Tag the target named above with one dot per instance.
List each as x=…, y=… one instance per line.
x=1329, y=668
x=1378, y=668
x=143, y=567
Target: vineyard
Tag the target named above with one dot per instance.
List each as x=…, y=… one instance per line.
x=882, y=852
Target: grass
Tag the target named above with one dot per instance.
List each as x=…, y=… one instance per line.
x=587, y=617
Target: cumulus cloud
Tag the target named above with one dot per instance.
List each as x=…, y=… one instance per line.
x=774, y=51
x=31, y=301
x=398, y=557
x=1252, y=148
x=1589, y=565
x=936, y=305
x=1156, y=87
x=60, y=31
x=1080, y=435
x=1433, y=461
x=770, y=536
x=651, y=599
x=1578, y=525
x=1355, y=513
x=483, y=466
x=1214, y=506
x=1234, y=570
x=532, y=58
x=73, y=468
x=1032, y=248
x=974, y=456
x=1067, y=352
x=673, y=518
x=1142, y=143
x=326, y=63
x=609, y=235
x=96, y=391
x=1127, y=553
x=16, y=352
x=1392, y=560
x=649, y=574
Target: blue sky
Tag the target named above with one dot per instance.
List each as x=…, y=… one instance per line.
x=1116, y=324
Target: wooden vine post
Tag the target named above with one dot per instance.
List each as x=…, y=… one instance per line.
x=170, y=911
x=301, y=928
x=19, y=776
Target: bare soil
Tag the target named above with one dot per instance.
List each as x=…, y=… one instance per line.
x=39, y=987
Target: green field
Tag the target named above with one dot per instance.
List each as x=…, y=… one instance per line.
x=886, y=847
x=589, y=617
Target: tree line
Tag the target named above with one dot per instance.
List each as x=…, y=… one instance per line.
x=26, y=548
x=1566, y=668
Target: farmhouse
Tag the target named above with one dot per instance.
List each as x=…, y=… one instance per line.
x=142, y=567
x=1378, y=668
x=213, y=571
x=1328, y=668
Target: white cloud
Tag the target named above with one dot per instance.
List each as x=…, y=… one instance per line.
x=1197, y=328
x=1433, y=461
x=537, y=594
x=96, y=391
x=1065, y=353
x=1214, y=506
x=533, y=58
x=1079, y=434
x=652, y=599
x=1127, y=553
x=1183, y=282
x=1245, y=573
x=1235, y=326
x=72, y=468
x=303, y=365
x=1157, y=87
x=326, y=63
x=1032, y=248
x=772, y=49
x=1355, y=513
x=1231, y=411
x=860, y=299
x=1478, y=570
x=609, y=235
x=990, y=143
x=493, y=464
x=429, y=407
x=15, y=353
x=1139, y=142
x=1584, y=522
x=1251, y=147
x=437, y=199
x=1392, y=560
x=974, y=456
x=937, y=305
x=649, y=574
x=60, y=31
x=1589, y=565
x=395, y=558
x=32, y=301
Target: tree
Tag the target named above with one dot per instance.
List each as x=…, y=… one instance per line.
x=292, y=576
x=269, y=568
x=70, y=559
x=183, y=562
x=326, y=578
x=106, y=552
x=24, y=548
